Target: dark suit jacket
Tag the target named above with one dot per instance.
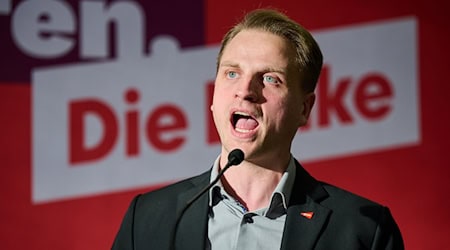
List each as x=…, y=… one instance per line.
x=341, y=220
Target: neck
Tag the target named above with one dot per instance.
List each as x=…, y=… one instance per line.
x=252, y=185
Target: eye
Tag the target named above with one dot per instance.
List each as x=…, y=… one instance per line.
x=232, y=74
x=270, y=79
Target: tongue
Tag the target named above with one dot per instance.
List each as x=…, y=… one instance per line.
x=246, y=123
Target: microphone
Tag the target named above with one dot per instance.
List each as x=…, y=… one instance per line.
x=235, y=157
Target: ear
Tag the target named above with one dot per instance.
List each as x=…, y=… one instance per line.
x=307, y=106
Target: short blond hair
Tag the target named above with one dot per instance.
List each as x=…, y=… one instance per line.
x=308, y=57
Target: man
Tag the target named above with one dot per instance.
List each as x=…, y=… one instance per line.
x=267, y=70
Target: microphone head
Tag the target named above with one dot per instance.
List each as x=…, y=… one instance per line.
x=235, y=157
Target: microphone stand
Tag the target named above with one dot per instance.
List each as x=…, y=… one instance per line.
x=235, y=157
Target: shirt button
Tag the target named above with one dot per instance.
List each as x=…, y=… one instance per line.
x=248, y=218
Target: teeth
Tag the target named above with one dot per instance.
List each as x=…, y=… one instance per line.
x=237, y=115
x=241, y=113
x=242, y=130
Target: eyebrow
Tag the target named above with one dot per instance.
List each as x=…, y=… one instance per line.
x=229, y=64
x=267, y=69
x=277, y=70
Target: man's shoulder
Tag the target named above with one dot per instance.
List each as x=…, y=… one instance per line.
x=169, y=192
x=353, y=208
x=328, y=194
x=344, y=196
x=353, y=214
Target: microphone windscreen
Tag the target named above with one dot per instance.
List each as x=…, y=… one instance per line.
x=235, y=157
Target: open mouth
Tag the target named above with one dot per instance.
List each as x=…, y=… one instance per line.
x=243, y=122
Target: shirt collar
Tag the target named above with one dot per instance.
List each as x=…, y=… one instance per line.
x=279, y=198
x=214, y=192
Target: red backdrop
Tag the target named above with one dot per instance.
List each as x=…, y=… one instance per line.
x=413, y=181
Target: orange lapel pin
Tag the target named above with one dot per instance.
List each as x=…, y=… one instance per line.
x=307, y=215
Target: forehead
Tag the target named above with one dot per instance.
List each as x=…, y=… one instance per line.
x=259, y=47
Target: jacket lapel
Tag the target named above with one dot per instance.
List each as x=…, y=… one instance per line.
x=305, y=216
x=301, y=230
x=192, y=228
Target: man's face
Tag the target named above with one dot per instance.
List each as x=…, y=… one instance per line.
x=258, y=102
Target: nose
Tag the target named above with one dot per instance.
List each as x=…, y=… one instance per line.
x=249, y=90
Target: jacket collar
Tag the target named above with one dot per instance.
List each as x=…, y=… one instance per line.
x=300, y=231
x=193, y=226
x=305, y=216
